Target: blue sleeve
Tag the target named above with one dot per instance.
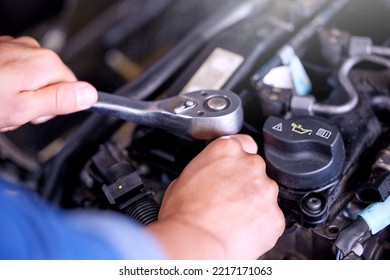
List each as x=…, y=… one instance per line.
x=32, y=229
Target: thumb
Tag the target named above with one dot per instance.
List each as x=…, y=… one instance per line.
x=61, y=98
x=247, y=143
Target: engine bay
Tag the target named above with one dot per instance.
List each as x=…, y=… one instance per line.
x=307, y=79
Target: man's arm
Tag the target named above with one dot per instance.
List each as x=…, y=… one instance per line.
x=223, y=205
x=36, y=84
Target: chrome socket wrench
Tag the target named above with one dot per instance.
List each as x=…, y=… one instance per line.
x=205, y=114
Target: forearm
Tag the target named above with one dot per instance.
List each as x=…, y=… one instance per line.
x=32, y=229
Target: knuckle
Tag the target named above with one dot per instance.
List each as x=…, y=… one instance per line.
x=255, y=168
x=16, y=117
x=51, y=57
x=224, y=147
x=257, y=162
x=5, y=37
x=231, y=146
x=279, y=222
x=60, y=99
x=28, y=41
x=270, y=189
x=273, y=187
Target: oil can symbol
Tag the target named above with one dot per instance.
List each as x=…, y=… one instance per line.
x=297, y=128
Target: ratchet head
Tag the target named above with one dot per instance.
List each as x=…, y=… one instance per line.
x=211, y=113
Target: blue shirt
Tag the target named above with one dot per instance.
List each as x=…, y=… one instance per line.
x=32, y=229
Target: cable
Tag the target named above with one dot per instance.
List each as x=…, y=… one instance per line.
x=371, y=219
x=377, y=215
x=15, y=154
x=296, y=45
x=359, y=46
x=379, y=50
x=339, y=255
x=345, y=69
x=350, y=236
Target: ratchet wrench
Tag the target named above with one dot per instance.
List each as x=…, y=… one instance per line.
x=205, y=114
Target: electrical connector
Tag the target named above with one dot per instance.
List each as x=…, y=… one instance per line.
x=349, y=237
x=370, y=221
x=360, y=46
x=302, y=105
x=377, y=215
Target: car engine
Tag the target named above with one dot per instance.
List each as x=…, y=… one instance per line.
x=309, y=80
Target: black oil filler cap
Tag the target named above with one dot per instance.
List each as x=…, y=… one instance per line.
x=304, y=154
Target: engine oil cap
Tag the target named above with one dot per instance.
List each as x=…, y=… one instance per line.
x=303, y=154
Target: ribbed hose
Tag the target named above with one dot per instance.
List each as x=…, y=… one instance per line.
x=144, y=211
x=116, y=171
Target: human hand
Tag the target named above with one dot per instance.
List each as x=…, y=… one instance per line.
x=223, y=205
x=36, y=85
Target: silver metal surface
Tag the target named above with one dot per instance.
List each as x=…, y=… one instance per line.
x=205, y=114
x=217, y=103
